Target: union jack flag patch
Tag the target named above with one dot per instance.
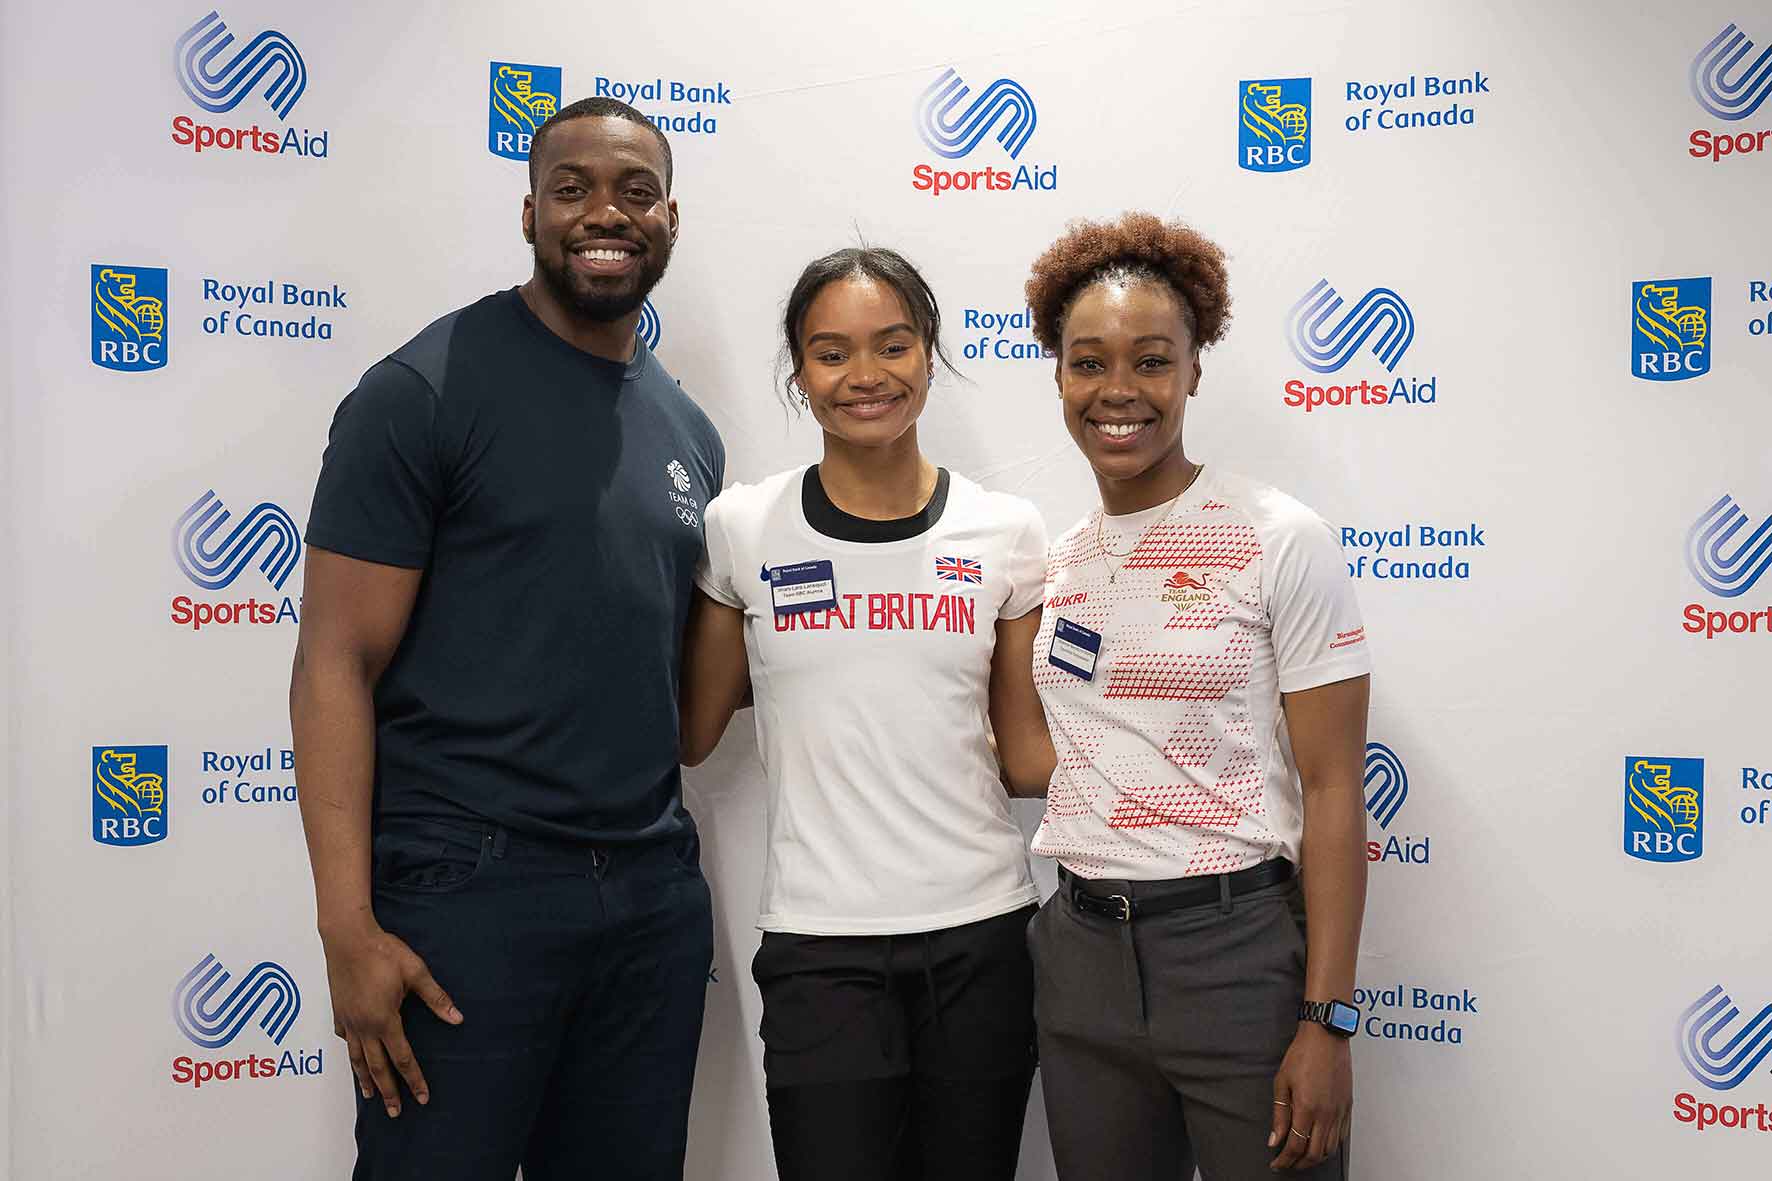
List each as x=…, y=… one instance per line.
x=959, y=570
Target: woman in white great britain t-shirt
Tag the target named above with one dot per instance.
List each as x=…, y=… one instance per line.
x=882, y=613
x=1204, y=670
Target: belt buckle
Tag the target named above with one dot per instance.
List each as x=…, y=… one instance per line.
x=1122, y=907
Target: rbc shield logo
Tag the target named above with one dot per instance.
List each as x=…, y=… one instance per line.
x=213, y=559
x=1717, y=1055
x=952, y=130
x=1275, y=130
x=1670, y=329
x=211, y=1018
x=519, y=99
x=269, y=65
x=1664, y=809
x=649, y=329
x=128, y=318
x=128, y=795
x=1724, y=82
x=1324, y=342
x=1723, y=565
x=1385, y=782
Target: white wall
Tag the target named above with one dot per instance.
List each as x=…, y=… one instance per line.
x=1512, y=697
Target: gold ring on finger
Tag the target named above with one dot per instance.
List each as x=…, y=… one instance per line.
x=1299, y=1134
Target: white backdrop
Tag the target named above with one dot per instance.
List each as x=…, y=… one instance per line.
x=1516, y=696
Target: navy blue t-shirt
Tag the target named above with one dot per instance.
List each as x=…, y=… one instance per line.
x=553, y=500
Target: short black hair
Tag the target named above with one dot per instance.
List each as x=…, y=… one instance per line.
x=884, y=266
x=592, y=108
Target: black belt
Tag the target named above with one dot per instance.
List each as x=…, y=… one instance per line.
x=1167, y=896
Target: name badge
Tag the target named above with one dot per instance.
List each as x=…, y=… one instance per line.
x=804, y=586
x=1074, y=649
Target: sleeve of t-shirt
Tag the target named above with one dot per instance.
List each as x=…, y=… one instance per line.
x=381, y=487
x=1317, y=632
x=1027, y=566
x=715, y=572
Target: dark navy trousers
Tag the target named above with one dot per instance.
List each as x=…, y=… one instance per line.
x=580, y=972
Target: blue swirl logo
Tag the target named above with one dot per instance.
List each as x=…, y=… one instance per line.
x=212, y=1019
x=269, y=63
x=1721, y=564
x=213, y=561
x=1722, y=84
x=952, y=131
x=1385, y=782
x=1719, y=1059
x=1324, y=342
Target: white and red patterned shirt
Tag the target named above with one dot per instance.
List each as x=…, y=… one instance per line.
x=1173, y=761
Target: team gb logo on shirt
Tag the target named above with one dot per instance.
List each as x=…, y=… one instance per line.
x=688, y=508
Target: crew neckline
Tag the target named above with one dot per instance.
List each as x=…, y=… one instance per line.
x=627, y=370
x=826, y=519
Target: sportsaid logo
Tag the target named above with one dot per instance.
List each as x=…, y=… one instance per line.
x=128, y=318
x=519, y=99
x=1731, y=86
x=211, y=1015
x=213, y=553
x=1274, y=130
x=1325, y=339
x=1386, y=786
x=953, y=128
x=1727, y=554
x=649, y=329
x=1664, y=809
x=218, y=77
x=1670, y=329
x=1721, y=1051
x=128, y=795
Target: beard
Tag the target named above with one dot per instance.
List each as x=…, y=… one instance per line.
x=603, y=299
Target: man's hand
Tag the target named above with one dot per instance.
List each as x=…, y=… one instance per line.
x=370, y=972
x=1313, y=1099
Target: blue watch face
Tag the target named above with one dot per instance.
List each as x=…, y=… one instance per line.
x=1346, y=1018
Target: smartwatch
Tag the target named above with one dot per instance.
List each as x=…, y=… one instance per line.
x=1338, y=1017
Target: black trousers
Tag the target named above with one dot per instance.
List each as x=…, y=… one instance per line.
x=898, y=1057
x=580, y=973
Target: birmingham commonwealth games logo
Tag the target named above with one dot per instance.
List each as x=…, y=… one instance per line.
x=1664, y=809
x=213, y=562
x=1734, y=573
x=952, y=131
x=1274, y=132
x=269, y=64
x=1324, y=343
x=1722, y=84
x=212, y=1019
x=1386, y=783
x=519, y=99
x=1670, y=329
x=649, y=329
x=128, y=795
x=128, y=318
x=1717, y=1058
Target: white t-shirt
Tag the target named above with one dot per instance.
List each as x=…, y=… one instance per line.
x=1173, y=761
x=886, y=815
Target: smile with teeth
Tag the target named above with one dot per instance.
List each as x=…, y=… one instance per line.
x=870, y=407
x=593, y=254
x=1120, y=430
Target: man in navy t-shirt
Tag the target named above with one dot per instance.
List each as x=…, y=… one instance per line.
x=503, y=546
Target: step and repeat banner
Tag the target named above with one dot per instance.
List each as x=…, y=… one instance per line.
x=1503, y=312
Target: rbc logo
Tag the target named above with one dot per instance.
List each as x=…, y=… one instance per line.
x=1325, y=347
x=649, y=329
x=1664, y=809
x=213, y=563
x=1737, y=97
x=128, y=795
x=128, y=318
x=1275, y=134
x=213, y=1021
x=1670, y=330
x=1733, y=574
x=1715, y=1057
x=1385, y=782
x=269, y=63
x=519, y=99
x=952, y=134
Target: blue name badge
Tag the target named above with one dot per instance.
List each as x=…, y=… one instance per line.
x=804, y=586
x=1074, y=649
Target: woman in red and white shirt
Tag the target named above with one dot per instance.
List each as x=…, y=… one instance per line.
x=1204, y=672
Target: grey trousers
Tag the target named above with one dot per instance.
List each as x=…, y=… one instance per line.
x=1160, y=1038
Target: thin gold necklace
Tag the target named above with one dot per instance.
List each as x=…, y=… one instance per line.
x=1114, y=571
